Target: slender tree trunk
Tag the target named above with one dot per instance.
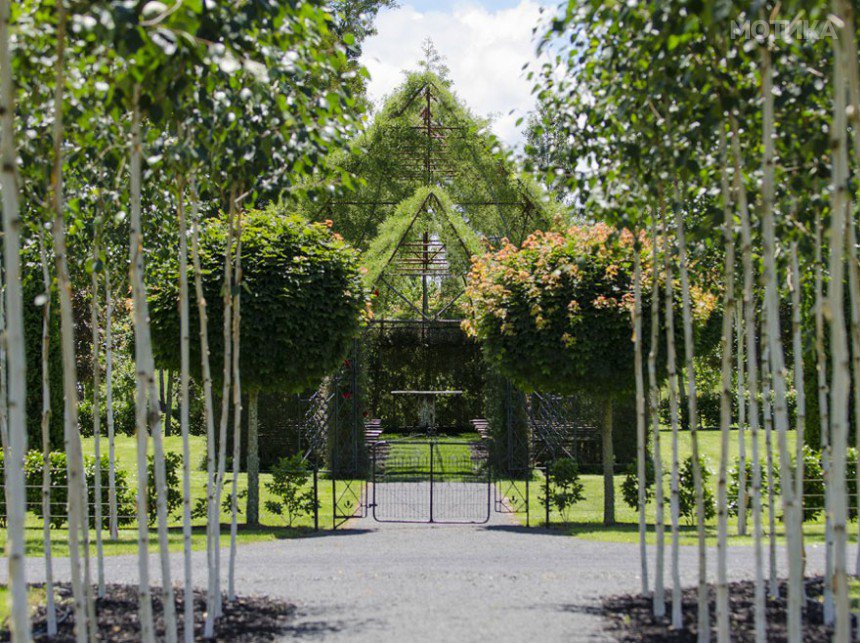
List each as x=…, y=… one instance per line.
x=704, y=627
x=78, y=520
x=722, y=603
x=19, y=621
x=840, y=380
x=777, y=359
x=212, y=540
x=149, y=411
x=800, y=397
x=853, y=68
x=168, y=416
x=641, y=436
x=253, y=505
x=225, y=391
x=147, y=631
x=237, y=413
x=112, y=509
x=97, y=416
x=162, y=399
x=752, y=374
x=767, y=408
x=743, y=495
x=184, y=402
x=854, y=288
x=671, y=360
x=659, y=601
x=824, y=426
x=4, y=411
x=50, y=606
x=608, y=464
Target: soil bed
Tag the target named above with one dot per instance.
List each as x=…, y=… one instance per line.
x=252, y=618
x=631, y=619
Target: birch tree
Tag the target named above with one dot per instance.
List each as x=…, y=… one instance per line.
x=722, y=603
x=14, y=334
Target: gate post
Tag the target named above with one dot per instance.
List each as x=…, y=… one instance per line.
x=528, y=475
x=316, y=499
x=431, y=481
x=546, y=495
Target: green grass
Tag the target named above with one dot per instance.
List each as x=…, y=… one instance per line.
x=586, y=517
x=273, y=527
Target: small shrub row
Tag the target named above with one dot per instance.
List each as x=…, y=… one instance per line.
x=59, y=489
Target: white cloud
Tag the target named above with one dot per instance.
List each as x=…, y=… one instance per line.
x=485, y=49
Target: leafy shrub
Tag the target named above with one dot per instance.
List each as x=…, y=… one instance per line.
x=198, y=510
x=814, y=487
x=733, y=487
x=172, y=465
x=687, y=491
x=630, y=486
x=123, y=400
x=290, y=477
x=566, y=489
x=59, y=492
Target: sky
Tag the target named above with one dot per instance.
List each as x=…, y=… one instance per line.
x=485, y=44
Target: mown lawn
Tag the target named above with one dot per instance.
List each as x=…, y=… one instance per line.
x=585, y=519
x=272, y=526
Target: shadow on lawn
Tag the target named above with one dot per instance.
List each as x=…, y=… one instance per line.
x=579, y=529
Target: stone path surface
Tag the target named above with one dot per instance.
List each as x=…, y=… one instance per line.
x=388, y=582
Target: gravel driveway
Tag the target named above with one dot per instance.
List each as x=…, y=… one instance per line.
x=497, y=582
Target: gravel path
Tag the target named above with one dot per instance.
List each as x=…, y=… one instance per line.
x=387, y=582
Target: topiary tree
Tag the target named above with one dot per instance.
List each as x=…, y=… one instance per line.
x=302, y=302
x=555, y=315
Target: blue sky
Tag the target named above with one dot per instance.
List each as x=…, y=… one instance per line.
x=485, y=44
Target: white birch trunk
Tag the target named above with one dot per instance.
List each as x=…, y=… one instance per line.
x=671, y=360
x=824, y=425
x=838, y=341
x=225, y=392
x=767, y=410
x=752, y=376
x=854, y=288
x=777, y=358
x=184, y=402
x=148, y=405
x=846, y=11
x=640, y=415
x=50, y=606
x=704, y=621
x=743, y=494
x=78, y=520
x=659, y=601
x=800, y=397
x=97, y=427
x=147, y=631
x=722, y=602
x=19, y=621
x=237, y=414
x=212, y=538
x=112, y=509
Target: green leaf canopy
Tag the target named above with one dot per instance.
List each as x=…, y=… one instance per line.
x=302, y=301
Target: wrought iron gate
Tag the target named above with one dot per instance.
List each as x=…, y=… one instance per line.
x=433, y=481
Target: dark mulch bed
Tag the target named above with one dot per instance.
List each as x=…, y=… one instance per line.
x=254, y=618
x=631, y=619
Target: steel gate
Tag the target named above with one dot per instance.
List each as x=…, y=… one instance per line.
x=431, y=481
